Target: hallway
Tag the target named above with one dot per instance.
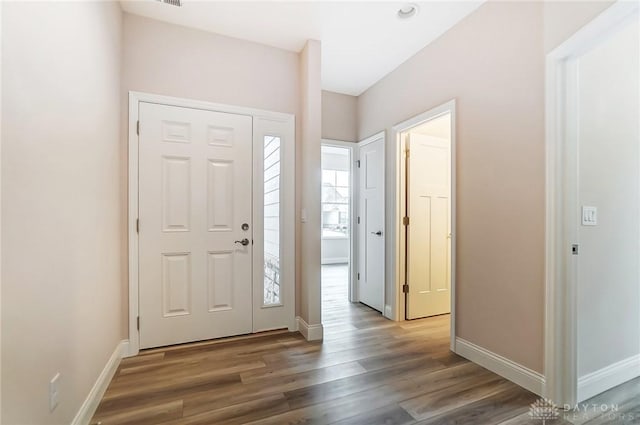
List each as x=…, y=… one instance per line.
x=368, y=370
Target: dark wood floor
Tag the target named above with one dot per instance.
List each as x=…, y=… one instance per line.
x=367, y=371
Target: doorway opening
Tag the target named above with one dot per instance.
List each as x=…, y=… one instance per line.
x=337, y=228
x=426, y=217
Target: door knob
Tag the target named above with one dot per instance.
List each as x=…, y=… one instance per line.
x=378, y=233
x=243, y=242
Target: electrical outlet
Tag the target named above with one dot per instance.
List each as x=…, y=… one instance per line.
x=54, y=392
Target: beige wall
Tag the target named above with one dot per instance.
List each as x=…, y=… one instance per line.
x=492, y=63
x=311, y=118
x=339, y=117
x=61, y=157
x=176, y=61
x=564, y=18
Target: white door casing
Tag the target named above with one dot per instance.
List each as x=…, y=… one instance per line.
x=396, y=262
x=562, y=199
x=429, y=229
x=371, y=232
x=194, y=196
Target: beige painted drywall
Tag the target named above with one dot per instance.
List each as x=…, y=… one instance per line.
x=176, y=61
x=339, y=117
x=61, y=158
x=310, y=143
x=563, y=18
x=608, y=291
x=492, y=63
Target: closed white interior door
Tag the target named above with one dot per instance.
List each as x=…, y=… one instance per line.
x=429, y=230
x=371, y=225
x=195, y=194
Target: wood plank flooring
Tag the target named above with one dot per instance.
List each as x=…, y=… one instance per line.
x=368, y=370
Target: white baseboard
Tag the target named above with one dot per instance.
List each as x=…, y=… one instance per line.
x=514, y=372
x=310, y=332
x=88, y=408
x=335, y=260
x=388, y=313
x=608, y=377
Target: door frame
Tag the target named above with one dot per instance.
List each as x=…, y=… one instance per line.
x=353, y=205
x=378, y=136
x=288, y=197
x=560, y=340
x=397, y=212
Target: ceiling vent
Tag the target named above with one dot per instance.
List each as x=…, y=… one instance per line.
x=171, y=2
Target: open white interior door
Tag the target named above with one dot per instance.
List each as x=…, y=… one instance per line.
x=429, y=229
x=371, y=235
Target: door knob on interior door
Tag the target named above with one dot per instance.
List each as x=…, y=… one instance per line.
x=378, y=233
x=243, y=242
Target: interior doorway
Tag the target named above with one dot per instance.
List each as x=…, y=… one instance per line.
x=425, y=261
x=337, y=226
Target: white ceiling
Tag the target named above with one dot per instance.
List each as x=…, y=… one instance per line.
x=362, y=41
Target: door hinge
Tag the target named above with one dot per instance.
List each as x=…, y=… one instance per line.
x=575, y=249
x=358, y=276
x=138, y=127
x=138, y=322
x=407, y=153
x=405, y=288
x=358, y=220
x=137, y=225
x=405, y=221
x=358, y=163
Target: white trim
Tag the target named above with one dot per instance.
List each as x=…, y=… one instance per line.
x=560, y=347
x=134, y=100
x=608, y=377
x=381, y=135
x=388, y=312
x=514, y=372
x=309, y=332
x=90, y=404
x=337, y=260
x=397, y=260
x=353, y=205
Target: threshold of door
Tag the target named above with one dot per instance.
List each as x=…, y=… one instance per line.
x=214, y=341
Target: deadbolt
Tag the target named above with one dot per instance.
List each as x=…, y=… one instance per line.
x=243, y=242
x=245, y=226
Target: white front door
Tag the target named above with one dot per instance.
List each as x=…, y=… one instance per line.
x=371, y=234
x=195, y=196
x=429, y=229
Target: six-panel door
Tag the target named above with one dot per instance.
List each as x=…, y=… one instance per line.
x=194, y=196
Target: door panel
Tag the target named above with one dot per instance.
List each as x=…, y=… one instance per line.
x=371, y=235
x=428, y=233
x=195, y=192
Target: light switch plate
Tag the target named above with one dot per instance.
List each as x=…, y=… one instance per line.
x=589, y=216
